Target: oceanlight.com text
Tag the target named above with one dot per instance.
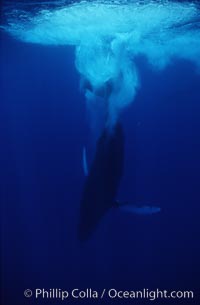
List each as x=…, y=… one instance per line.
x=112, y=293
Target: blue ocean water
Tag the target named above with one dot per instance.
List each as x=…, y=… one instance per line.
x=44, y=127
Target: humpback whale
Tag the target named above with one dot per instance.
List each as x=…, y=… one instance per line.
x=103, y=180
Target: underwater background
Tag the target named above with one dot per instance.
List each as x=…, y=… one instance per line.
x=43, y=129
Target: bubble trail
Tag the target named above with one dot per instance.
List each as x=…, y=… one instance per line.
x=108, y=37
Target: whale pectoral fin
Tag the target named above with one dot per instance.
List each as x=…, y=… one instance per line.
x=85, y=165
x=144, y=210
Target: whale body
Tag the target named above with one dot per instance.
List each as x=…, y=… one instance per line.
x=102, y=181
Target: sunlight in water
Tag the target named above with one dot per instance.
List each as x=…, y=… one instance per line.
x=108, y=37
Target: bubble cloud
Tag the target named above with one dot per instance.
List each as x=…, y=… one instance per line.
x=109, y=36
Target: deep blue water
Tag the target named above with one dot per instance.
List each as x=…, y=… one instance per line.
x=43, y=129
